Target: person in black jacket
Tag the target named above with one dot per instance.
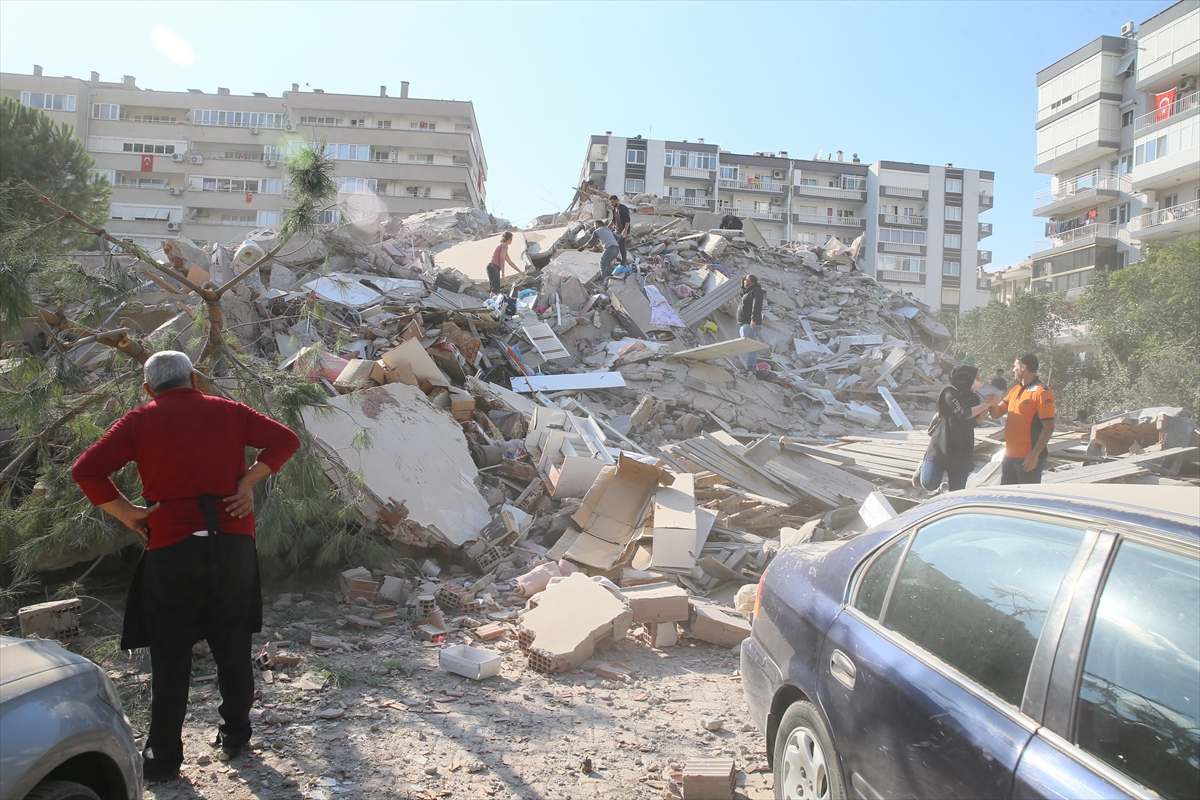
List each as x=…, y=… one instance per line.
x=999, y=382
x=620, y=224
x=952, y=440
x=749, y=315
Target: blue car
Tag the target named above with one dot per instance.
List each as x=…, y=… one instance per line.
x=1033, y=643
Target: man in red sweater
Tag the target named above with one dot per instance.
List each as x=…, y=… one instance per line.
x=198, y=577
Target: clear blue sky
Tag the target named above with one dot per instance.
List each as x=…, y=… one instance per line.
x=924, y=82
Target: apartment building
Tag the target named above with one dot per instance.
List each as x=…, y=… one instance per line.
x=1118, y=132
x=210, y=166
x=911, y=216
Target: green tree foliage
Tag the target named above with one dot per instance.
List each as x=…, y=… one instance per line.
x=35, y=148
x=311, y=184
x=997, y=333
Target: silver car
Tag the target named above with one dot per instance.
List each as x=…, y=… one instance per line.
x=63, y=734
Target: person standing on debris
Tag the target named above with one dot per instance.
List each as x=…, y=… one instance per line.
x=749, y=315
x=1030, y=423
x=495, y=267
x=952, y=435
x=620, y=224
x=999, y=382
x=198, y=576
x=605, y=236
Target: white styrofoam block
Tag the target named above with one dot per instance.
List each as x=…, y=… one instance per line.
x=470, y=662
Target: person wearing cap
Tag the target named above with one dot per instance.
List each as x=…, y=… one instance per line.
x=198, y=575
x=1029, y=425
x=952, y=436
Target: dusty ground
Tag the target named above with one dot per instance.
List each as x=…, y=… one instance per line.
x=385, y=721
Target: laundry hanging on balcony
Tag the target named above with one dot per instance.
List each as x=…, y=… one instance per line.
x=1061, y=226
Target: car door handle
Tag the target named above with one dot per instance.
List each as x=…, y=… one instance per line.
x=842, y=668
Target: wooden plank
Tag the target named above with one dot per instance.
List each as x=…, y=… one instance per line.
x=713, y=458
x=542, y=337
x=574, y=382
x=730, y=347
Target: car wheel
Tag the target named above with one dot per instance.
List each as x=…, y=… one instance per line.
x=61, y=790
x=806, y=766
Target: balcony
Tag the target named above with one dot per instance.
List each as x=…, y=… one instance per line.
x=1167, y=223
x=597, y=166
x=1061, y=198
x=984, y=257
x=902, y=247
x=1161, y=62
x=1076, y=238
x=692, y=173
x=756, y=213
x=239, y=155
x=1112, y=86
x=903, y=219
x=903, y=192
x=817, y=219
x=1077, y=150
x=1165, y=167
x=832, y=192
x=986, y=201
x=691, y=202
x=753, y=185
x=900, y=276
x=985, y=230
x=1167, y=113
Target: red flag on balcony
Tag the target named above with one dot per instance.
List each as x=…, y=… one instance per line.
x=249, y=196
x=147, y=163
x=1162, y=105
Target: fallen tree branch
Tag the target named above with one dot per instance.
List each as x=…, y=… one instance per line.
x=15, y=465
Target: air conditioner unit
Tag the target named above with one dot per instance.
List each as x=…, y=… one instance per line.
x=1187, y=84
x=776, y=201
x=268, y=162
x=290, y=127
x=175, y=190
x=178, y=157
x=173, y=226
x=1128, y=29
x=195, y=159
x=603, y=152
x=777, y=174
x=254, y=131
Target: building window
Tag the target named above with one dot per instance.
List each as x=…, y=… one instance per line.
x=901, y=236
x=1151, y=150
x=900, y=263
x=148, y=147
x=1170, y=201
x=952, y=240
x=635, y=157
x=729, y=173
x=383, y=123
x=635, y=185
x=358, y=123
x=423, y=126
x=1127, y=118
x=236, y=119
x=106, y=111
x=109, y=175
x=417, y=191
x=159, y=118
x=348, y=152
x=954, y=213
x=421, y=158
x=320, y=121
x=273, y=153
x=951, y=268
x=677, y=158
x=1119, y=215
x=1122, y=259
x=238, y=219
x=702, y=160
x=953, y=186
x=950, y=297
x=357, y=186
x=49, y=102
x=267, y=218
x=129, y=211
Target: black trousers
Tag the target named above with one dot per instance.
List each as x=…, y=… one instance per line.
x=621, y=240
x=182, y=605
x=493, y=273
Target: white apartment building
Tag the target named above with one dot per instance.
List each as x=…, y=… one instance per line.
x=920, y=223
x=1118, y=132
x=210, y=166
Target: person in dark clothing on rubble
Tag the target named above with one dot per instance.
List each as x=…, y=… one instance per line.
x=620, y=224
x=604, y=235
x=999, y=382
x=952, y=435
x=749, y=315
x=198, y=575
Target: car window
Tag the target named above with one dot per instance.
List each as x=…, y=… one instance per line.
x=974, y=590
x=872, y=589
x=1139, y=700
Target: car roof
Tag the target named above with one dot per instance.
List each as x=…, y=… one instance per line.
x=21, y=658
x=1170, y=509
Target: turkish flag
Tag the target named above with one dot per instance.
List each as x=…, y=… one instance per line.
x=1163, y=104
x=249, y=196
x=147, y=163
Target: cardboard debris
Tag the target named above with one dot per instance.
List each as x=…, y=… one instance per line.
x=612, y=508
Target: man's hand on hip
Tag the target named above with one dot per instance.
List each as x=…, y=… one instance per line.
x=241, y=503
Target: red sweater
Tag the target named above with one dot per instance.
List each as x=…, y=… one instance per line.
x=185, y=444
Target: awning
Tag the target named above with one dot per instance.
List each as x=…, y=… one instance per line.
x=1126, y=61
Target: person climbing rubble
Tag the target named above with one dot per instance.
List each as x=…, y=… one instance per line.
x=495, y=267
x=620, y=225
x=604, y=235
x=749, y=315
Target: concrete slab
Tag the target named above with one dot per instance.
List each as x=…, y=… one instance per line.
x=541, y=243
x=571, y=616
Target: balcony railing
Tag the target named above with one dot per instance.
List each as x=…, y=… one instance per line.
x=597, y=166
x=1181, y=104
x=835, y=192
x=1080, y=94
x=985, y=256
x=986, y=200
x=900, y=276
x=901, y=247
x=1165, y=215
x=235, y=155
x=1067, y=238
x=817, y=219
x=1090, y=181
x=691, y=202
x=753, y=185
x=985, y=229
x=761, y=213
x=692, y=172
x=903, y=191
x=903, y=219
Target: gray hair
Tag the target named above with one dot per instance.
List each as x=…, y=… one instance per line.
x=167, y=369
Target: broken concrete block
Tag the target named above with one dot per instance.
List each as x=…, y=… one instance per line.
x=346, y=579
x=709, y=779
x=58, y=619
x=571, y=616
x=359, y=374
x=657, y=602
x=717, y=624
x=663, y=634
x=714, y=246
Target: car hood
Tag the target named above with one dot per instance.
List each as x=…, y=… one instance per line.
x=23, y=658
